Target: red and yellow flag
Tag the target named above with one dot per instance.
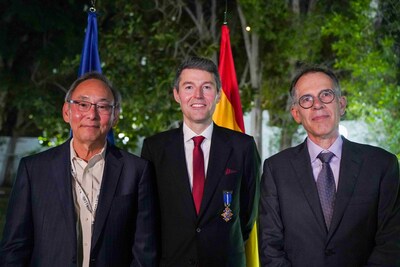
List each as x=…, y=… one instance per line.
x=228, y=114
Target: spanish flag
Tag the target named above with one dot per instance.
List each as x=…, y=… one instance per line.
x=228, y=114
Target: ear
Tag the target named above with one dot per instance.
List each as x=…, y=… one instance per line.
x=218, y=97
x=115, y=117
x=342, y=105
x=176, y=96
x=295, y=114
x=66, y=113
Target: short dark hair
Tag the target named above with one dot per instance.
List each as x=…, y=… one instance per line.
x=313, y=69
x=198, y=63
x=97, y=76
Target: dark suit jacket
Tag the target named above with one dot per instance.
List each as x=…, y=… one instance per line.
x=365, y=228
x=205, y=240
x=40, y=228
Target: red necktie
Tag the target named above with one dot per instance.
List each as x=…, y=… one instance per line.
x=198, y=172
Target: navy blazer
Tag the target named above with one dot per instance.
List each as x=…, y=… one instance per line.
x=40, y=227
x=365, y=228
x=206, y=239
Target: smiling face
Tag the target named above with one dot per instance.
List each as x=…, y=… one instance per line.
x=321, y=121
x=197, y=96
x=90, y=128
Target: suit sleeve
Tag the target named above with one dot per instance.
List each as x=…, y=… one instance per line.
x=271, y=236
x=146, y=151
x=387, y=240
x=17, y=244
x=145, y=249
x=250, y=190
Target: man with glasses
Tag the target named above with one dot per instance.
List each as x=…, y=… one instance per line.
x=328, y=201
x=85, y=202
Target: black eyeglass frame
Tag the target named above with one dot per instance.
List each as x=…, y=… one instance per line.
x=320, y=94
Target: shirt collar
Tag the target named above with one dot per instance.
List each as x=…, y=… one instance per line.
x=188, y=134
x=99, y=156
x=335, y=148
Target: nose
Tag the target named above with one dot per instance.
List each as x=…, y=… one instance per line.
x=93, y=112
x=317, y=103
x=198, y=92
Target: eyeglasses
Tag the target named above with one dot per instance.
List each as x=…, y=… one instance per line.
x=84, y=106
x=326, y=96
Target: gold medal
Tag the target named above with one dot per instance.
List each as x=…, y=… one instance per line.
x=227, y=213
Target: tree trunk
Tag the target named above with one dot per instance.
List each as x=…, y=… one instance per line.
x=9, y=161
x=251, y=41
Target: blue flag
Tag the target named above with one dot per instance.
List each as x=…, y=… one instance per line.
x=90, y=59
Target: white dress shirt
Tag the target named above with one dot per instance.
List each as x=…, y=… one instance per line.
x=87, y=177
x=188, y=134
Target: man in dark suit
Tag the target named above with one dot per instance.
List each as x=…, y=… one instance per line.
x=328, y=201
x=203, y=229
x=85, y=202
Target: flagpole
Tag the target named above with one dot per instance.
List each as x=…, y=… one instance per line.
x=229, y=114
x=226, y=12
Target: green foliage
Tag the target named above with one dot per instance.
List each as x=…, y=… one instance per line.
x=368, y=69
x=344, y=35
x=142, y=42
x=33, y=42
x=139, y=67
x=287, y=40
x=140, y=48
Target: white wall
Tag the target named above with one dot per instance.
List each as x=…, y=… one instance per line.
x=24, y=147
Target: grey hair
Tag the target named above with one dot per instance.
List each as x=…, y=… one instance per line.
x=314, y=69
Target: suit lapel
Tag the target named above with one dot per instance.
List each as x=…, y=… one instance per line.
x=302, y=167
x=219, y=154
x=112, y=172
x=350, y=165
x=174, y=156
x=61, y=166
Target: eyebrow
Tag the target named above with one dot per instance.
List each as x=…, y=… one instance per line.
x=203, y=83
x=86, y=98
x=326, y=89
x=187, y=82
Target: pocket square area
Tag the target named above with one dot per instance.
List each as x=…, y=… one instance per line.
x=229, y=171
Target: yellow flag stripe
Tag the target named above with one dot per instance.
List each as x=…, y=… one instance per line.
x=252, y=248
x=224, y=114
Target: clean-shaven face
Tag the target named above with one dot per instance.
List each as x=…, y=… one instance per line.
x=321, y=121
x=197, y=96
x=90, y=127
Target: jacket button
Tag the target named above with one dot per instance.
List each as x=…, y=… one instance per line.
x=198, y=230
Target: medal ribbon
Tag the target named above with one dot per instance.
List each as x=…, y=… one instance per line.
x=227, y=198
